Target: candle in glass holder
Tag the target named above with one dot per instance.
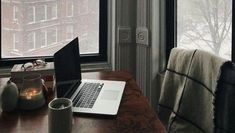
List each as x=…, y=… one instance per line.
x=31, y=94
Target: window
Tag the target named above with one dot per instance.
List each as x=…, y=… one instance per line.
x=52, y=11
x=201, y=24
x=30, y=42
x=30, y=14
x=41, y=39
x=41, y=13
x=15, y=13
x=84, y=8
x=15, y=42
x=44, y=27
x=69, y=8
x=52, y=36
x=69, y=32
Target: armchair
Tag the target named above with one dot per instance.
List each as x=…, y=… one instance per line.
x=189, y=93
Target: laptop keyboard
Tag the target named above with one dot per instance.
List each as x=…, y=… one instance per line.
x=87, y=95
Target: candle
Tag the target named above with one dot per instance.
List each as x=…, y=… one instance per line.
x=30, y=93
x=31, y=98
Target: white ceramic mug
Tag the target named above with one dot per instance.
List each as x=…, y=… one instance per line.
x=60, y=116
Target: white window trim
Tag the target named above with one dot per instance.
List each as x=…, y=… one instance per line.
x=34, y=42
x=14, y=43
x=45, y=12
x=15, y=13
x=56, y=11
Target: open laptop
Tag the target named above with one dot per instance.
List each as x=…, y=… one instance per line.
x=88, y=96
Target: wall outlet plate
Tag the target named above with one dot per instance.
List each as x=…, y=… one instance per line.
x=124, y=34
x=142, y=35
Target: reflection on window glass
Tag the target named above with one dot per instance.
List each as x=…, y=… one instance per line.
x=46, y=26
x=205, y=24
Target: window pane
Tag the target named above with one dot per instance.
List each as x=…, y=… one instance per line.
x=205, y=24
x=16, y=42
x=52, y=11
x=15, y=13
x=30, y=14
x=69, y=32
x=30, y=42
x=51, y=36
x=45, y=26
x=40, y=13
x=69, y=9
x=41, y=39
x=83, y=9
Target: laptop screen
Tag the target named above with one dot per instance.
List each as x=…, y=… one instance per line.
x=67, y=66
x=67, y=62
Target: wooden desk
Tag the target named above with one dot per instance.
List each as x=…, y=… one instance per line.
x=135, y=113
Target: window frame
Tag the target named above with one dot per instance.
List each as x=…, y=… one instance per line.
x=33, y=34
x=171, y=27
x=85, y=58
x=15, y=40
x=69, y=13
x=15, y=13
x=233, y=31
x=44, y=12
x=34, y=15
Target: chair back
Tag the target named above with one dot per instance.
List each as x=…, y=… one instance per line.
x=224, y=104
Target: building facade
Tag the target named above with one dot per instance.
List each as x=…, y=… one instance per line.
x=41, y=27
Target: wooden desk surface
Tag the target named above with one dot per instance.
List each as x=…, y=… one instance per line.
x=135, y=113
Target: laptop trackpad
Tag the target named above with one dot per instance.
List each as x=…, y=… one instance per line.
x=109, y=95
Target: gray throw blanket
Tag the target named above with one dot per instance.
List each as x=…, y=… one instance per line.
x=187, y=94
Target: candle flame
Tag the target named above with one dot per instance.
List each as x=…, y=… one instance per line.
x=30, y=93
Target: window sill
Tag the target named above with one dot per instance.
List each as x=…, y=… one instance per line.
x=88, y=67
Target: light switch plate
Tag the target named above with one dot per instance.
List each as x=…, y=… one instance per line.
x=124, y=34
x=142, y=35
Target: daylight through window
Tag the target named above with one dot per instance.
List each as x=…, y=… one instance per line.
x=205, y=24
x=32, y=28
